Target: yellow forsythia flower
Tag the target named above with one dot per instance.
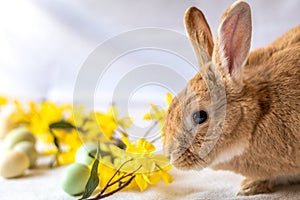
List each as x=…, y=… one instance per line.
x=107, y=124
x=141, y=146
x=21, y=115
x=154, y=167
x=124, y=122
x=158, y=114
x=110, y=121
x=3, y=100
x=169, y=99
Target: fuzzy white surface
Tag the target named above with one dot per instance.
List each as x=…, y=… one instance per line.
x=43, y=184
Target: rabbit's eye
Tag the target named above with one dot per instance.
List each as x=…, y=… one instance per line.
x=200, y=117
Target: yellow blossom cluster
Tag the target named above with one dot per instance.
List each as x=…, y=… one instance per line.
x=63, y=129
x=151, y=167
x=38, y=117
x=159, y=115
x=154, y=166
x=3, y=101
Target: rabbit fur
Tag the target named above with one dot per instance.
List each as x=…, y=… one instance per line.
x=260, y=136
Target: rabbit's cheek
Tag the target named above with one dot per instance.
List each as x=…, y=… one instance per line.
x=228, y=154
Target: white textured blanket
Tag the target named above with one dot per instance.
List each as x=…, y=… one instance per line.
x=43, y=184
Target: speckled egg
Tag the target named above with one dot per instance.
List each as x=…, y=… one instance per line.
x=13, y=164
x=29, y=149
x=75, y=178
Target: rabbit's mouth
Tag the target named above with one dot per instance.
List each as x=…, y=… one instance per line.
x=188, y=160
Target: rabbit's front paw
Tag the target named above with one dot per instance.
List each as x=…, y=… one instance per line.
x=252, y=187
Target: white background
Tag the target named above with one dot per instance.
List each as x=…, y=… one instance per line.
x=43, y=43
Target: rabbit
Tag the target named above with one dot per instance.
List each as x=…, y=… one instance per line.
x=259, y=94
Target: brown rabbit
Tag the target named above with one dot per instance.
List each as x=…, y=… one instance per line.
x=241, y=112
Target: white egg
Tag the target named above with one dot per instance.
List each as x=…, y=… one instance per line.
x=29, y=149
x=13, y=164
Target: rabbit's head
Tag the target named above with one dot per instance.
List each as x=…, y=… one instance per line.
x=196, y=136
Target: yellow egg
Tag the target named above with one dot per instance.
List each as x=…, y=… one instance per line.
x=18, y=135
x=13, y=164
x=29, y=149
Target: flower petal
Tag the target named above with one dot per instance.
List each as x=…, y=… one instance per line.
x=142, y=184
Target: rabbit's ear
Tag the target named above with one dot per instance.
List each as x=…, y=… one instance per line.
x=233, y=39
x=200, y=35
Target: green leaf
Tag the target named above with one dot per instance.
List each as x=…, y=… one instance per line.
x=93, y=179
x=61, y=125
x=103, y=154
x=56, y=143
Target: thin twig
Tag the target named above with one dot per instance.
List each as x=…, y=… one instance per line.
x=111, y=178
x=150, y=129
x=114, y=191
x=123, y=132
x=121, y=186
x=158, y=166
x=125, y=176
x=56, y=143
x=155, y=139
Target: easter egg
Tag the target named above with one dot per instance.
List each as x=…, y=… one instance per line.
x=13, y=164
x=18, y=135
x=29, y=149
x=82, y=154
x=5, y=126
x=75, y=178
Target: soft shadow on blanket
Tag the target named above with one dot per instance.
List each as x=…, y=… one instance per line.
x=209, y=184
